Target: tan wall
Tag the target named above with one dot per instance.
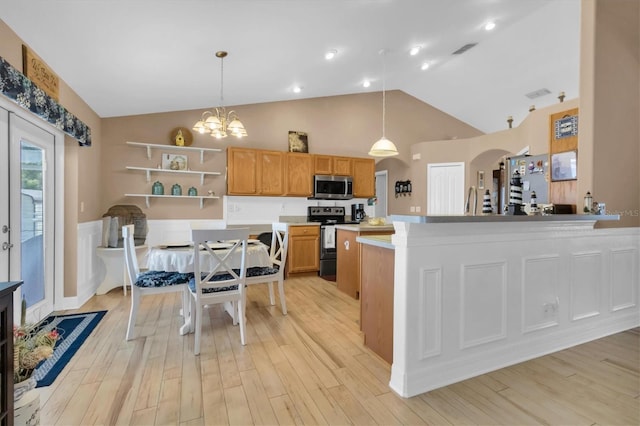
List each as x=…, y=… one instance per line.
x=483, y=152
x=610, y=107
x=82, y=165
x=340, y=125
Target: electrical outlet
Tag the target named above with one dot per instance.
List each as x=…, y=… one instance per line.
x=412, y=209
x=418, y=209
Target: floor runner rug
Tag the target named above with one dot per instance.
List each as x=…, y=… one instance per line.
x=74, y=329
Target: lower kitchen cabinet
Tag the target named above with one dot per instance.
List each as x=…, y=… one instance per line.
x=304, y=249
x=348, y=254
x=376, y=302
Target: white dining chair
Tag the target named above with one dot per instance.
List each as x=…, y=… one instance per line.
x=226, y=282
x=149, y=282
x=269, y=274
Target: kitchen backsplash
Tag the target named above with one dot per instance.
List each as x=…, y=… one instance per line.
x=263, y=210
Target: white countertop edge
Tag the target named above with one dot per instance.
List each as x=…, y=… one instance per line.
x=503, y=218
x=365, y=227
x=383, y=241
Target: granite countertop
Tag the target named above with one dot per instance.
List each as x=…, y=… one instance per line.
x=383, y=241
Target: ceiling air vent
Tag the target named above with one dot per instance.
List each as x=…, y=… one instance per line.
x=537, y=93
x=464, y=48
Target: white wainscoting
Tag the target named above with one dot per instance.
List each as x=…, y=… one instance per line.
x=479, y=297
x=91, y=269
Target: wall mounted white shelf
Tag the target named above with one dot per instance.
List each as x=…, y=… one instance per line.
x=193, y=197
x=151, y=146
x=150, y=170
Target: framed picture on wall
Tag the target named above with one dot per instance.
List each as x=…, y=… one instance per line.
x=564, y=166
x=298, y=141
x=174, y=162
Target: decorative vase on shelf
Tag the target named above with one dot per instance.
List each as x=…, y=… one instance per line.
x=192, y=192
x=176, y=189
x=157, y=188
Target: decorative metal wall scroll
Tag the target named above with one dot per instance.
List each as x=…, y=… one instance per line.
x=403, y=187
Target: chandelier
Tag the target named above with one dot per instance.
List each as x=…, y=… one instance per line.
x=218, y=123
x=383, y=147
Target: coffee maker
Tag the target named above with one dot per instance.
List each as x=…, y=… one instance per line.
x=357, y=212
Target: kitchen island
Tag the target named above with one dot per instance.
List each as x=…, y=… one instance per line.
x=474, y=294
x=376, y=294
x=348, y=254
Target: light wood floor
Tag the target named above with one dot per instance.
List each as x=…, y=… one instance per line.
x=310, y=367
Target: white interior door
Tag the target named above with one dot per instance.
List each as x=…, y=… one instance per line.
x=382, y=189
x=31, y=214
x=445, y=188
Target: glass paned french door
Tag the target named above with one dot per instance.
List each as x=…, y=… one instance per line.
x=32, y=187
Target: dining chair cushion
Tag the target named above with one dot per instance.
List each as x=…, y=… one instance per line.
x=254, y=271
x=259, y=271
x=219, y=277
x=162, y=278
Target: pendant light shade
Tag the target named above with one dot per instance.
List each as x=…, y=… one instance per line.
x=383, y=147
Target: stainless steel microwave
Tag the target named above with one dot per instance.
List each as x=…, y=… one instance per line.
x=326, y=187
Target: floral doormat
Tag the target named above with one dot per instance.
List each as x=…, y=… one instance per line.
x=74, y=329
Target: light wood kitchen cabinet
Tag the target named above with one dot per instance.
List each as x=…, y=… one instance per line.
x=331, y=165
x=278, y=173
x=348, y=254
x=298, y=175
x=342, y=166
x=376, y=303
x=304, y=249
x=255, y=172
x=242, y=173
x=271, y=172
x=364, y=177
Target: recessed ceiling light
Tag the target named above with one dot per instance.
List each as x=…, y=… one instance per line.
x=366, y=83
x=490, y=25
x=414, y=50
x=424, y=66
x=330, y=54
x=297, y=89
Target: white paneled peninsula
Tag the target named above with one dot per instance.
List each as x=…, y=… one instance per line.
x=474, y=294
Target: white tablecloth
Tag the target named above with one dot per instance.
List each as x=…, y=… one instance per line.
x=181, y=259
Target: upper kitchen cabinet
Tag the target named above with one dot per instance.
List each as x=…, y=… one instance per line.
x=331, y=165
x=277, y=173
x=298, y=174
x=271, y=172
x=255, y=172
x=364, y=177
x=242, y=173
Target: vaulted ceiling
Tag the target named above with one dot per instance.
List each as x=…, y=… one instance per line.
x=127, y=57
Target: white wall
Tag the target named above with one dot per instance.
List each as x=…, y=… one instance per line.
x=265, y=210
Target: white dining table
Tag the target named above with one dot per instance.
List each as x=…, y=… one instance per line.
x=178, y=257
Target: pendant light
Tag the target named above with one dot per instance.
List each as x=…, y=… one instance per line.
x=383, y=147
x=218, y=122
